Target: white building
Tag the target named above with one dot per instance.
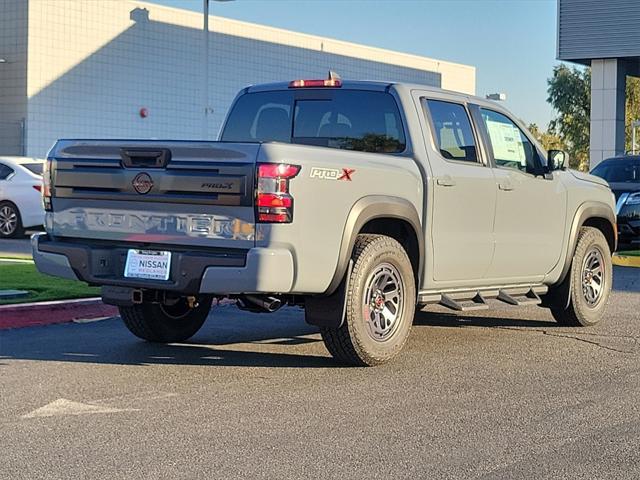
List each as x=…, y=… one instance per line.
x=87, y=69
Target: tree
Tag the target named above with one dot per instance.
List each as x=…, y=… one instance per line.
x=549, y=140
x=570, y=95
x=632, y=109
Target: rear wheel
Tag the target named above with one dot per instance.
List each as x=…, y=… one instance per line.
x=590, y=278
x=381, y=298
x=10, y=221
x=156, y=322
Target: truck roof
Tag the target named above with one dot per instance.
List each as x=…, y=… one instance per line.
x=375, y=85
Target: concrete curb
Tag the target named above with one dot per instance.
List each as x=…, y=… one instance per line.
x=624, y=261
x=48, y=313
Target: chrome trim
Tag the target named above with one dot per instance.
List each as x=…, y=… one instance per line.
x=621, y=201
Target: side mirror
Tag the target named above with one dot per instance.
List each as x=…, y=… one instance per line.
x=557, y=160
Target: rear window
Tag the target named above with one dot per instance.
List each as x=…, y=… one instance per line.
x=34, y=167
x=346, y=119
x=618, y=172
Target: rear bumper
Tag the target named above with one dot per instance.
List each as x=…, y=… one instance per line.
x=53, y=264
x=267, y=270
x=257, y=270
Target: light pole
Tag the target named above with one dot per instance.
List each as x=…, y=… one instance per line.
x=205, y=85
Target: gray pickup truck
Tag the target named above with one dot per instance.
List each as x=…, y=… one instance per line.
x=358, y=201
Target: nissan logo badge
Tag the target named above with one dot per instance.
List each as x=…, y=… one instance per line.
x=142, y=183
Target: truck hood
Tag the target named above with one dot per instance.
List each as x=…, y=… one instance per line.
x=589, y=178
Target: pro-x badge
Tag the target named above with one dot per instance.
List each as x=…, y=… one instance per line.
x=332, y=173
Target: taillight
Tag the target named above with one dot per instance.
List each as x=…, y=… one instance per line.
x=46, y=185
x=37, y=187
x=274, y=203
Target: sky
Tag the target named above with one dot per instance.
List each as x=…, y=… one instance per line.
x=512, y=43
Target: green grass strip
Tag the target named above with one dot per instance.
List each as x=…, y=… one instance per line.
x=24, y=276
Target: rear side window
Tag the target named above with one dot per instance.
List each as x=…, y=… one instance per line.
x=345, y=119
x=452, y=131
x=34, y=167
x=5, y=171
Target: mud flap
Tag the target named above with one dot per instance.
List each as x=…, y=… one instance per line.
x=327, y=311
x=559, y=294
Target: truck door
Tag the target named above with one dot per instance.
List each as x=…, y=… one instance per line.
x=463, y=203
x=531, y=205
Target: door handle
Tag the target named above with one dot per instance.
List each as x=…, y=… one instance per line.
x=505, y=186
x=446, y=181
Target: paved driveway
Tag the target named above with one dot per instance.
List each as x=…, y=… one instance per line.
x=498, y=394
x=11, y=246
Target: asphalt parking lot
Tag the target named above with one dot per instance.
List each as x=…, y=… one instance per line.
x=503, y=393
x=15, y=246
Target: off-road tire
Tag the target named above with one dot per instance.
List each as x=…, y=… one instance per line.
x=151, y=322
x=18, y=230
x=579, y=313
x=352, y=343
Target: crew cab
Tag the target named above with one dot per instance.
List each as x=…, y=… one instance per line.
x=358, y=201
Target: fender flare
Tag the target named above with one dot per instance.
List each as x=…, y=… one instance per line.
x=369, y=208
x=585, y=211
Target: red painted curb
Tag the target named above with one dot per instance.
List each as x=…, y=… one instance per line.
x=48, y=313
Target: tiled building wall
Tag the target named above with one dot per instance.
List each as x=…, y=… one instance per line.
x=94, y=65
x=13, y=75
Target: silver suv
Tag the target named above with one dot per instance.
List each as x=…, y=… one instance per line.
x=358, y=201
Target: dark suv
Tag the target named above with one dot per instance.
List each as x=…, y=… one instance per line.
x=623, y=175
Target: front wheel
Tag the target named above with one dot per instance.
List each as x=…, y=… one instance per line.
x=159, y=323
x=381, y=299
x=590, y=280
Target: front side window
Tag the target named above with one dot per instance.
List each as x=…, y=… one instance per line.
x=511, y=147
x=452, y=131
x=359, y=120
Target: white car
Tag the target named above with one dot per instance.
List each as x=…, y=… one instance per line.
x=20, y=198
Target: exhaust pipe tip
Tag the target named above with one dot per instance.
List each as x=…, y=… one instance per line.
x=273, y=304
x=259, y=304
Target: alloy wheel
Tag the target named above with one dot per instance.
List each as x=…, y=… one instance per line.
x=383, y=302
x=593, y=276
x=8, y=220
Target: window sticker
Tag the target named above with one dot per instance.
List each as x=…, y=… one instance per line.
x=506, y=142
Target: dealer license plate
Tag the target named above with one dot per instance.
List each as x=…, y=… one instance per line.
x=148, y=264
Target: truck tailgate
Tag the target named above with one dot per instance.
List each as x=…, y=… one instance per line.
x=198, y=194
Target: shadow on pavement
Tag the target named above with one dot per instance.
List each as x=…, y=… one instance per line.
x=234, y=338
x=229, y=338
x=442, y=319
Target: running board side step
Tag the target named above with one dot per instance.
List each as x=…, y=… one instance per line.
x=476, y=299
x=529, y=298
x=476, y=303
